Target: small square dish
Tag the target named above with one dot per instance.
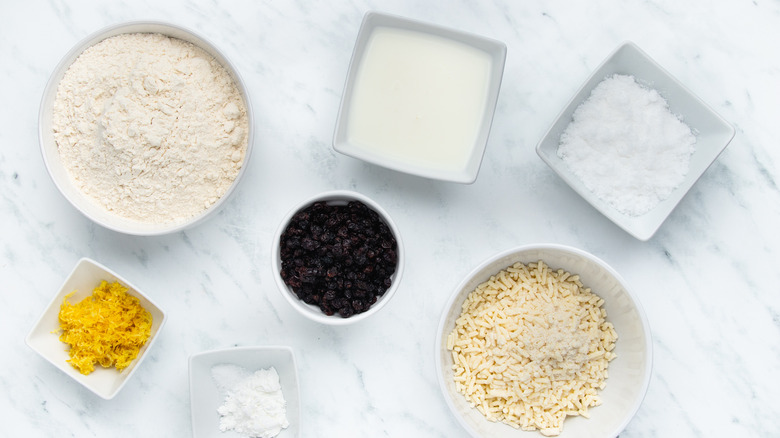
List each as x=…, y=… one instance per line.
x=419, y=98
x=712, y=135
x=44, y=338
x=208, y=393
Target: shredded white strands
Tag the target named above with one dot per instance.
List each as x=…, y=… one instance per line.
x=531, y=347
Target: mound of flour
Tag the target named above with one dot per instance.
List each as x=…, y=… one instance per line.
x=152, y=128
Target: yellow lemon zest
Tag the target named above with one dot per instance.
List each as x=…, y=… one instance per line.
x=109, y=327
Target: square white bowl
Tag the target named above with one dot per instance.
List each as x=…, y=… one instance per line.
x=629, y=372
x=494, y=51
x=206, y=396
x=712, y=132
x=44, y=337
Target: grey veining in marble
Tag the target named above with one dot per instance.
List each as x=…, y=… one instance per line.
x=709, y=280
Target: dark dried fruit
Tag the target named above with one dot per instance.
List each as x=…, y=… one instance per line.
x=338, y=257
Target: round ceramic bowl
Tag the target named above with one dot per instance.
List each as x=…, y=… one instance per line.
x=629, y=372
x=59, y=173
x=313, y=312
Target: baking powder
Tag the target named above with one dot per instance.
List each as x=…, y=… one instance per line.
x=626, y=146
x=254, y=404
x=151, y=128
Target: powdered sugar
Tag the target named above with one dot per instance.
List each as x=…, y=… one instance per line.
x=627, y=146
x=151, y=128
x=254, y=404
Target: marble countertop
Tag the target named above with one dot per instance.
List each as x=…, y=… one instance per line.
x=708, y=280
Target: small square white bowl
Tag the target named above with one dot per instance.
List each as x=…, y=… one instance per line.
x=206, y=395
x=465, y=168
x=712, y=132
x=45, y=334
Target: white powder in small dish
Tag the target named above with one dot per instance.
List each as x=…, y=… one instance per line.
x=151, y=128
x=626, y=146
x=254, y=404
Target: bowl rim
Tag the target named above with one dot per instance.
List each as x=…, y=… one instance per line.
x=241, y=348
x=494, y=48
x=51, y=159
x=517, y=250
x=313, y=312
x=55, y=301
x=629, y=224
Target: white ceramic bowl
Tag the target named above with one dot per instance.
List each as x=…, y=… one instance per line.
x=337, y=197
x=425, y=107
x=59, y=173
x=206, y=394
x=45, y=334
x=629, y=372
x=713, y=134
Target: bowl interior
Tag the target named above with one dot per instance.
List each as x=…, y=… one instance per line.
x=713, y=134
x=339, y=197
x=494, y=50
x=59, y=173
x=629, y=373
x=44, y=336
x=206, y=395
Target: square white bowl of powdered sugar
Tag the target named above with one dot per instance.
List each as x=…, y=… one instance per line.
x=633, y=140
x=244, y=391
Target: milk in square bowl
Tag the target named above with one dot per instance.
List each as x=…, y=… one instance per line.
x=419, y=98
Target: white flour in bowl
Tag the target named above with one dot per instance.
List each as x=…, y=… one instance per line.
x=152, y=128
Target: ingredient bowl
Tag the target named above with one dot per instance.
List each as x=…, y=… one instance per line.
x=339, y=255
x=45, y=334
x=629, y=373
x=712, y=135
x=419, y=98
x=208, y=387
x=156, y=152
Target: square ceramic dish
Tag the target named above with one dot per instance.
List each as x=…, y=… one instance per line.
x=712, y=132
x=419, y=98
x=44, y=336
x=629, y=372
x=206, y=395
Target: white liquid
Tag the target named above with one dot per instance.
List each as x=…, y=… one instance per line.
x=419, y=99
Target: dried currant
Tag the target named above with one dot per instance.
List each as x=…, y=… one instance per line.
x=338, y=257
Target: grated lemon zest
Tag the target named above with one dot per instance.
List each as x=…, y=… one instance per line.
x=109, y=328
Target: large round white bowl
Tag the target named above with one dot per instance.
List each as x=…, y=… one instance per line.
x=629, y=373
x=59, y=174
x=314, y=313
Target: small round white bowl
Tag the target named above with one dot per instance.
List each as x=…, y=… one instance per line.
x=339, y=197
x=629, y=372
x=59, y=174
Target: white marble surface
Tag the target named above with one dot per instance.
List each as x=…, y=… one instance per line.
x=709, y=279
